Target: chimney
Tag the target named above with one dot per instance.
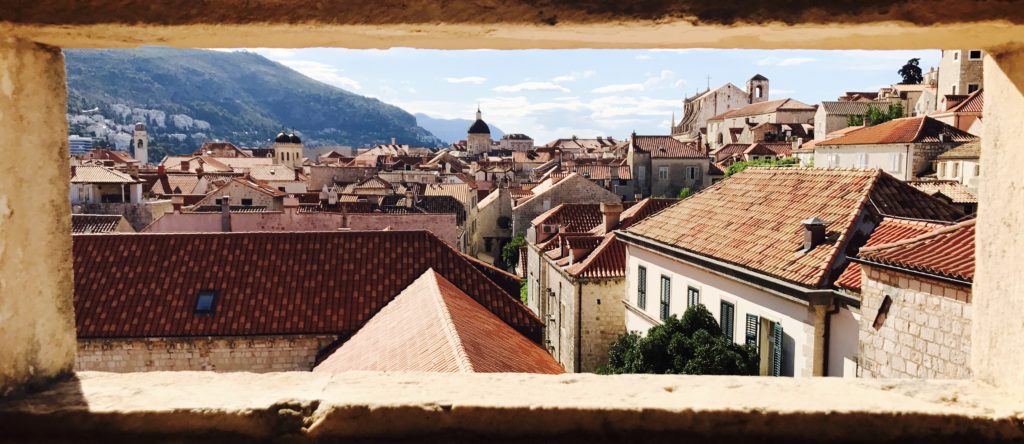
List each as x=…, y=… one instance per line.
x=291, y=203
x=199, y=171
x=225, y=214
x=613, y=172
x=814, y=233
x=74, y=170
x=610, y=213
x=184, y=165
x=392, y=140
x=161, y=170
x=177, y=202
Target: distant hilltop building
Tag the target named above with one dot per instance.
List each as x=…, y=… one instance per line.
x=288, y=150
x=699, y=108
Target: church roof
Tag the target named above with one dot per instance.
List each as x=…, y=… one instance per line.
x=479, y=127
x=758, y=77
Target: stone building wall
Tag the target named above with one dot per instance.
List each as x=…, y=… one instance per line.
x=572, y=189
x=926, y=333
x=677, y=176
x=238, y=192
x=603, y=320
x=257, y=354
x=925, y=154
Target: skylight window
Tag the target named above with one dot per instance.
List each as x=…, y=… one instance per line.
x=205, y=302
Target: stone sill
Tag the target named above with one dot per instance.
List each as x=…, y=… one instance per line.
x=297, y=406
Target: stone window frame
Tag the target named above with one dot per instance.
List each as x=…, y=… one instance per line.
x=970, y=54
x=969, y=407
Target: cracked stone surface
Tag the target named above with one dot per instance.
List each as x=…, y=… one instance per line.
x=508, y=407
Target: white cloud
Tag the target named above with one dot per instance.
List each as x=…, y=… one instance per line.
x=787, y=61
x=574, y=76
x=618, y=88
x=531, y=86
x=323, y=72
x=643, y=57
x=472, y=79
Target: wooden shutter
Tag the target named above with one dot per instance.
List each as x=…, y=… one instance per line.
x=666, y=296
x=776, y=349
x=752, y=323
x=728, y=323
x=641, y=287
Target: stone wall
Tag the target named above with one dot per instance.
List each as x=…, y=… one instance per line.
x=572, y=189
x=926, y=333
x=238, y=192
x=257, y=354
x=603, y=320
x=37, y=329
x=677, y=176
x=138, y=215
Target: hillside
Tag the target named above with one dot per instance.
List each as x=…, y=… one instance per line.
x=188, y=96
x=452, y=130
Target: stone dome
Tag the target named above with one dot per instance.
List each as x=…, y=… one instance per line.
x=293, y=138
x=140, y=126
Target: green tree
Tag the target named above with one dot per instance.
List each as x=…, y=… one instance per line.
x=875, y=116
x=693, y=345
x=911, y=72
x=510, y=252
x=684, y=193
x=523, y=290
x=740, y=166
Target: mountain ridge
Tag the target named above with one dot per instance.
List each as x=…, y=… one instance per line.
x=189, y=96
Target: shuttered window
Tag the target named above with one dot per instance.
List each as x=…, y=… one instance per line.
x=728, y=320
x=641, y=287
x=692, y=296
x=776, y=350
x=752, y=323
x=666, y=296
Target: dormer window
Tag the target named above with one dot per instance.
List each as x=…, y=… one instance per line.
x=205, y=302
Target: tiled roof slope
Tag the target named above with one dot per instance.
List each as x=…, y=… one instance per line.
x=763, y=108
x=969, y=150
x=752, y=219
x=667, y=147
x=576, y=218
x=974, y=103
x=946, y=252
x=952, y=189
x=94, y=223
x=889, y=230
x=98, y=174
x=146, y=285
x=907, y=130
x=846, y=107
x=608, y=260
x=441, y=330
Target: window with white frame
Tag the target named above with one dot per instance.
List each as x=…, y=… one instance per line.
x=974, y=54
x=897, y=162
x=691, y=173
x=862, y=160
x=662, y=173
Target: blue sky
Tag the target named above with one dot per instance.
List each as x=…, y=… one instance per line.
x=559, y=93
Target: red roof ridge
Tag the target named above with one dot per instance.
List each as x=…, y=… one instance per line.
x=448, y=326
x=926, y=236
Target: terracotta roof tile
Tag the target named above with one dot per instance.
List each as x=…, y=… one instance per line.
x=146, y=285
x=607, y=260
x=847, y=108
x=752, y=219
x=974, y=103
x=442, y=330
x=969, y=150
x=667, y=147
x=907, y=130
x=94, y=223
x=946, y=252
x=952, y=189
x=597, y=171
x=763, y=108
x=889, y=230
x=99, y=174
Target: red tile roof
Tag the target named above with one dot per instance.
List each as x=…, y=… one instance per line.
x=752, y=219
x=607, y=260
x=946, y=252
x=955, y=191
x=889, y=230
x=94, y=223
x=598, y=172
x=577, y=218
x=442, y=330
x=974, y=103
x=775, y=148
x=145, y=285
x=922, y=129
x=667, y=147
x=729, y=150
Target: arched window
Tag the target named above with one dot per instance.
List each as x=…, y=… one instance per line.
x=720, y=138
